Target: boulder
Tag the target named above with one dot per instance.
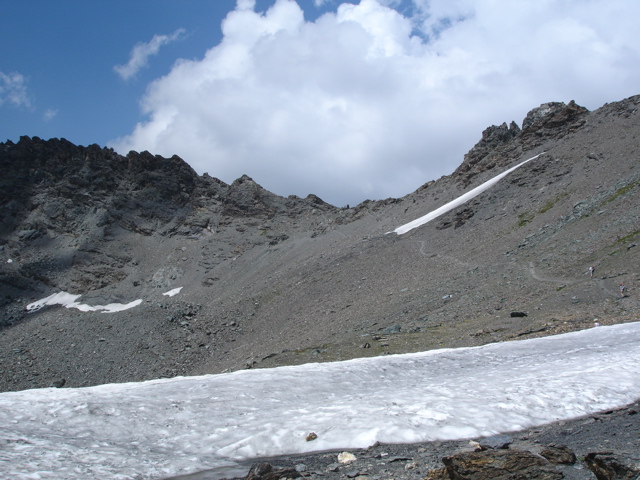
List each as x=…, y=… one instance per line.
x=266, y=471
x=613, y=465
x=499, y=465
x=495, y=442
x=560, y=455
x=346, y=457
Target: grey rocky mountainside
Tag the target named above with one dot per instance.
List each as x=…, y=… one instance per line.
x=271, y=281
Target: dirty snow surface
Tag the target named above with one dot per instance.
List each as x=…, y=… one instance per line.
x=175, y=426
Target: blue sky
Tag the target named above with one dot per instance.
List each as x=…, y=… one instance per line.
x=347, y=100
x=66, y=52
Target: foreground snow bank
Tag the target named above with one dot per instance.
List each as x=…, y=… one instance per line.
x=172, y=426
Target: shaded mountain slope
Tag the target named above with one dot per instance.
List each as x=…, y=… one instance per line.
x=269, y=280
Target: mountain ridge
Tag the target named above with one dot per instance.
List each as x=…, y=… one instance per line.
x=269, y=280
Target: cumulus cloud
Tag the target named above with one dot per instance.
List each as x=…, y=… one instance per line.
x=142, y=51
x=366, y=102
x=13, y=90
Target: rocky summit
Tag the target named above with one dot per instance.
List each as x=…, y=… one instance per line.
x=232, y=276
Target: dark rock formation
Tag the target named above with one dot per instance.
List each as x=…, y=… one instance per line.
x=501, y=144
x=560, y=455
x=54, y=190
x=523, y=465
x=455, y=218
x=266, y=471
x=613, y=466
x=549, y=116
x=499, y=465
x=53, y=185
x=493, y=137
x=496, y=442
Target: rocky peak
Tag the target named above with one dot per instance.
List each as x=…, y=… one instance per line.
x=245, y=198
x=316, y=200
x=245, y=180
x=552, y=114
x=498, y=135
x=500, y=145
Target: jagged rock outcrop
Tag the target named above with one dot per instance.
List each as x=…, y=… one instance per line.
x=246, y=198
x=501, y=144
x=494, y=460
x=552, y=115
x=54, y=186
x=456, y=219
x=493, y=137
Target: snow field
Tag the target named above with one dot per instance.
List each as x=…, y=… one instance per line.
x=172, y=426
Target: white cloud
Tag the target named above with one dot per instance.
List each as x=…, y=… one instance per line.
x=245, y=4
x=13, y=90
x=49, y=113
x=366, y=103
x=142, y=51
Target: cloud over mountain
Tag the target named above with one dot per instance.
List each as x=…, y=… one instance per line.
x=368, y=102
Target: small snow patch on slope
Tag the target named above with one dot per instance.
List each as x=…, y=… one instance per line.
x=173, y=292
x=69, y=300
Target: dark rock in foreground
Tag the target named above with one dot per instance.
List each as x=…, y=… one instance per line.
x=613, y=465
x=498, y=465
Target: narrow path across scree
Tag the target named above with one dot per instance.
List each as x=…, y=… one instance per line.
x=540, y=278
x=566, y=281
x=532, y=271
x=447, y=257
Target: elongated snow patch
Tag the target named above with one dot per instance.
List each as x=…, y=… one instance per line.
x=458, y=201
x=173, y=292
x=69, y=300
